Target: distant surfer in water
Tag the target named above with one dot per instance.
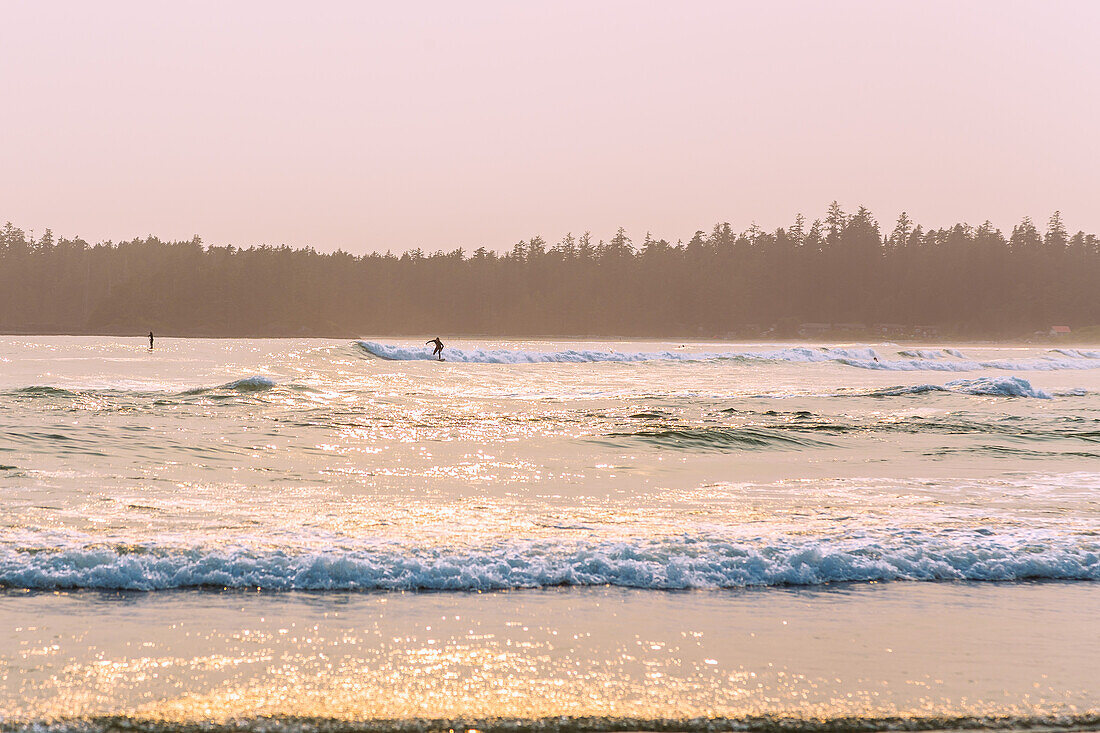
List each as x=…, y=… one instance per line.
x=438, y=347
x=150, y=341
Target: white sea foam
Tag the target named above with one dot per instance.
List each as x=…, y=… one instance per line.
x=995, y=386
x=249, y=384
x=683, y=562
x=508, y=356
x=860, y=357
x=1002, y=386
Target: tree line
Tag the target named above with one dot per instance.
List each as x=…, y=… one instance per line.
x=842, y=268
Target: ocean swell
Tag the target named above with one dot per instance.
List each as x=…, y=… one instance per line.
x=718, y=438
x=931, y=353
x=255, y=383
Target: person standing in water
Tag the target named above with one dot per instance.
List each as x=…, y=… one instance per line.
x=438, y=347
x=150, y=341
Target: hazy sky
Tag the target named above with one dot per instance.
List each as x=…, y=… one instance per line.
x=373, y=126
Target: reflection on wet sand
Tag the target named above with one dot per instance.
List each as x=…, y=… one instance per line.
x=850, y=651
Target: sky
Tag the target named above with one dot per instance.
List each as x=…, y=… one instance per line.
x=390, y=126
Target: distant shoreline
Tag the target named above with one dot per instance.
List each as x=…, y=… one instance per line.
x=1071, y=340
x=840, y=279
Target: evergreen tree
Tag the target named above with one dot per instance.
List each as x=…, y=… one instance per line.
x=973, y=281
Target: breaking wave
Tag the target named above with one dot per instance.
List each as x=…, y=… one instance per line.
x=996, y=386
x=1078, y=353
x=249, y=384
x=682, y=562
x=509, y=356
x=506, y=356
x=939, y=364
x=943, y=360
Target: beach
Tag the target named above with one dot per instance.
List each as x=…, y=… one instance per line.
x=606, y=654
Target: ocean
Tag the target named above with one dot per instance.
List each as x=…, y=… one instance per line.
x=547, y=535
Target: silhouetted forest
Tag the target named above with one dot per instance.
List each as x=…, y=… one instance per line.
x=842, y=269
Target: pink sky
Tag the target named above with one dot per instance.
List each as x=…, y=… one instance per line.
x=374, y=126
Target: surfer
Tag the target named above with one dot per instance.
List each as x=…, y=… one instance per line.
x=438, y=347
x=150, y=341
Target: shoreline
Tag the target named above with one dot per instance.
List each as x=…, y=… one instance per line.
x=1072, y=723
x=584, y=338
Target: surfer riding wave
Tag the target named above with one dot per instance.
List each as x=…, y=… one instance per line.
x=438, y=348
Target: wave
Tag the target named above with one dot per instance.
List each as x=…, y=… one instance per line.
x=1078, y=353
x=682, y=562
x=249, y=384
x=254, y=383
x=1038, y=364
x=718, y=438
x=576, y=356
x=999, y=386
x=506, y=356
x=43, y=391
x=932, y=353
x=995, y=386
x=1005, y=451
x=792, y=431
x=1067, y=721
x=860, y=357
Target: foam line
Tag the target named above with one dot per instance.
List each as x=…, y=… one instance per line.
x=944, y=360
x=682, y=562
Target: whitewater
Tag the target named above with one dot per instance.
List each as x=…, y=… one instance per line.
x=525, y=494
x=943, y=360
x=559, y=448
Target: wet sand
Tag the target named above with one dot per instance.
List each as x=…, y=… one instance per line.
x=856, y=656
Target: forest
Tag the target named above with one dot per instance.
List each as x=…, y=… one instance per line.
x=842, y=271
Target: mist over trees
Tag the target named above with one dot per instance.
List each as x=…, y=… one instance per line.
x=844, y=268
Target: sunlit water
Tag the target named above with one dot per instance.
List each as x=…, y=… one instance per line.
x=356, y=472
